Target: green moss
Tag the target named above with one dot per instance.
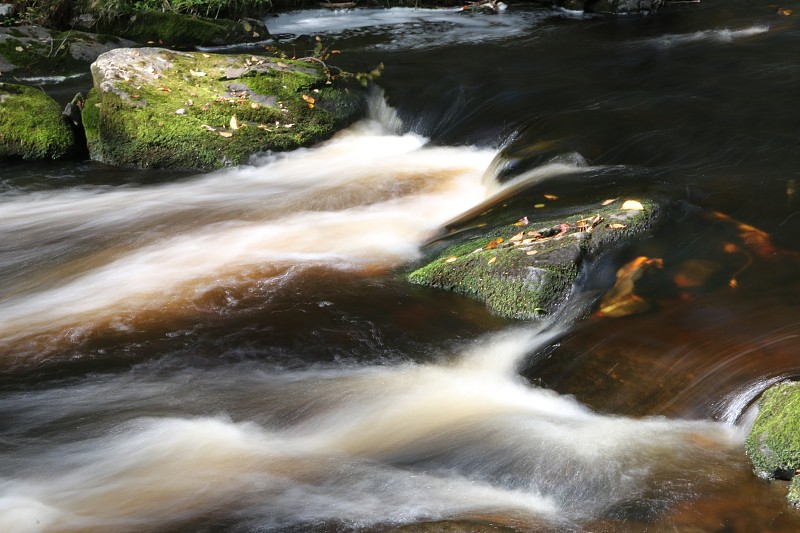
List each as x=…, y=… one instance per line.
x=774, y=442
x=178, y=30
x=183, y=119
x=794, y=492
x=518, y=273
x=31, y=125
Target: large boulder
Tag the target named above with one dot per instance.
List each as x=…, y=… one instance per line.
x=31, y=125
x=152, y=107
x=177, y=30
x=33, y=50
x=522, y=264
x=773, y=443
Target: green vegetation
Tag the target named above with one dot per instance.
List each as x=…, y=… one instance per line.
x=794, y=491
x=774, y=442
x=205, y=111
x=31, y=125
x=59, y=13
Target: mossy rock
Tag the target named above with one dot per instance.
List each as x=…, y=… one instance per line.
x=794, y=492
x=33, y=50
x=31, y=125
x=774, y=442
x=152, y=107
x=179, y=30
x=524, y=269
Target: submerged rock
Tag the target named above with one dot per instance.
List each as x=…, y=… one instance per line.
x=773, y=444
x=31, y=125
x=524, y=268
x=152, y=107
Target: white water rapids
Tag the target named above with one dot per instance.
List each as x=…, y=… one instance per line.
x=276, y=450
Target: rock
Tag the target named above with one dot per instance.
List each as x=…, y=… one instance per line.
x=235, y=106
x=774, y=442
x=31, y=125
x=794, y=492
x=36, y=50
x=177, y=30
x=523, y=269
x=611, y=6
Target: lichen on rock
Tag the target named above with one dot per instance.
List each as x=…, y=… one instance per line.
x=31, y=125
x=523, y=269
x=152, y=107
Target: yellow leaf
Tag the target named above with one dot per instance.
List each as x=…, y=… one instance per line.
x=234, y=123
x=551, y=196
x=494, y=243
x=616, y=226
x=309, y=99
x=538, y=206
x=517, y=237
x=451, y=259
x=609, y=201
x=785, y=12
x=225, y=134
x=632, y=205
x=492, y=260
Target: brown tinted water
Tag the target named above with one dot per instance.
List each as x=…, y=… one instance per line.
x=239, y=351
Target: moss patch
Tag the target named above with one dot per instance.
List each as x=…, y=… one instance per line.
x=157, y=108
x=774, y=442
x=794, y=492
x=31, y=125
x=523, y=269
x=175, y=29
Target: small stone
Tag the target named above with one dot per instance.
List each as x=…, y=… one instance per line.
x=180, y=111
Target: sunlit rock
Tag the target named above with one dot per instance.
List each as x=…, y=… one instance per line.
x=522, y=264
x=774, y=442
x=31, y=125
x=233, y=106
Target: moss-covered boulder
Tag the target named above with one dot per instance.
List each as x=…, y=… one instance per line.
x=33, y=50
x=523, y=268
x=152, y=107
x=31, y=125
x=178, y=30
x=774, y=442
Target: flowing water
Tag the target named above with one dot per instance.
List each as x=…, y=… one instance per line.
x=239, y=351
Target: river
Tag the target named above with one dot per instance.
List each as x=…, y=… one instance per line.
x=239, y=350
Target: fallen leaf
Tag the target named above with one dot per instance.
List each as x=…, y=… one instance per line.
x=19, y=49
x=180, y=111
x=206, y=55
x=225, y=134
x=532, y=252
x=451, y=259
x=254, y=105
x=493, y=243
x=197, y=73
x=234, y=123
x=539, y=206
x=309, y=99
x=616, y=226
x=492, y=260
x=621, y=300
x=785, y=12
x=165, y=89
x=517, y=237
x=551, y=196
x=209, y=128
x=609, y=201
x=632, y=205
x=522, y=222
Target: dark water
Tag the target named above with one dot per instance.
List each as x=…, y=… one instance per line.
x=238, y=351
